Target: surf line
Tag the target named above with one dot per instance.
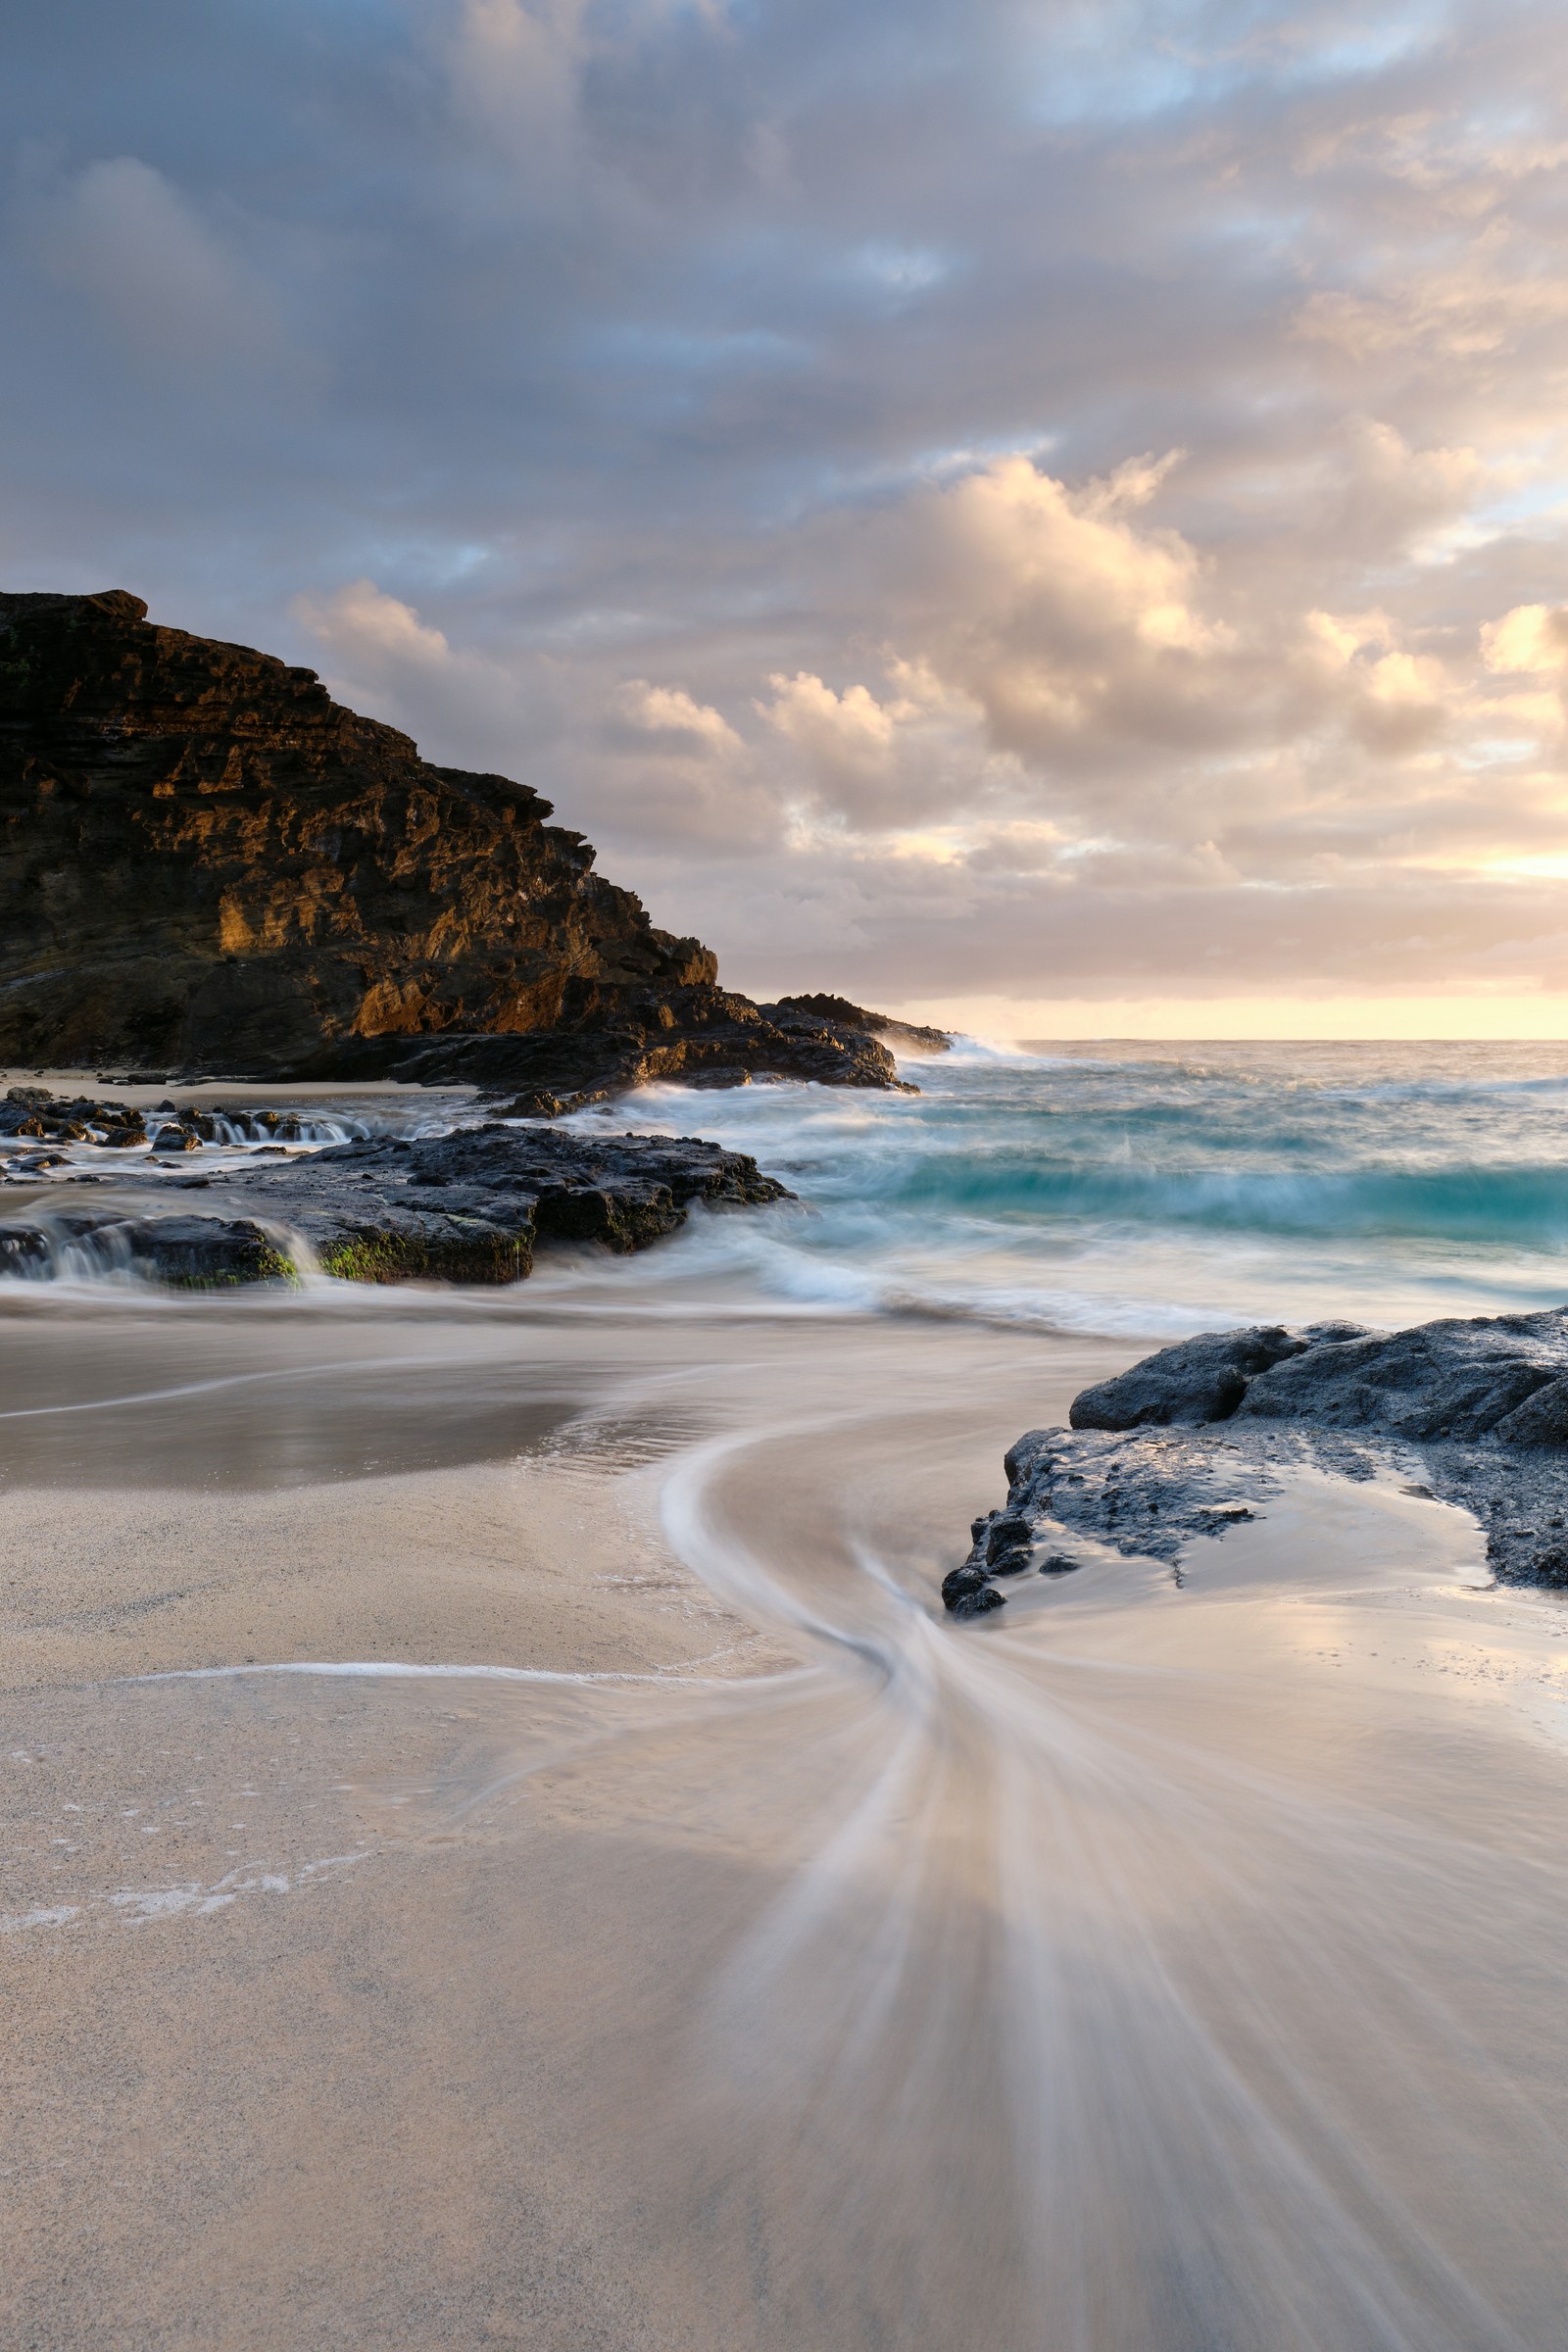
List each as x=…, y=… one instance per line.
x=222, y=1380
x=392, y=1669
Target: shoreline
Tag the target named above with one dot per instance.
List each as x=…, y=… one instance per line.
x=424, y=2011
x=502, y=1844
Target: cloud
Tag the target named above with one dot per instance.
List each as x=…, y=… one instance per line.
x=368, y=630
x=674, y=724
x=946, y=496
x=119, y=232
x=1056, y=614
x=1532, y=637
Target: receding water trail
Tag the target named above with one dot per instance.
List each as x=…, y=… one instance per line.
x=1086, y=2018
x=736, y=1954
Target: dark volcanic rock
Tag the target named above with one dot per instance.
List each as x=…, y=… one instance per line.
x=698, y=1036
x=34, y=1110
x=188, y=1252
x=908, y=1034
x=207, y=863
x=1186, y=1441
x=465, y=1207
x=1197, y=1379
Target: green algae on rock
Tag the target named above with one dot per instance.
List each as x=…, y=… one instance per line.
x=466, y=1208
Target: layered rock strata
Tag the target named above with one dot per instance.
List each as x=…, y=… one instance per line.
x=1475, y=1411
x=207, y=865
x=468, y=1207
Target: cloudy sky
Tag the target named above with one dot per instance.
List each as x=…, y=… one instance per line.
x=1053, y=516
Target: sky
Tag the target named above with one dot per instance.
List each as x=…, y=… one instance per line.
x=1051, y=519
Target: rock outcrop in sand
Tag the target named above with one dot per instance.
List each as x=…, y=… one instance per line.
x=207, y=865
x=1193, y=1437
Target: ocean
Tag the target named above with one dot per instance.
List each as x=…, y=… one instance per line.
x=1125, y=1191
x=1150, y=1191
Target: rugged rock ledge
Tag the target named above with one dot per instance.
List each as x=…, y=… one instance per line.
x=701, y=1036
x=908, y=1035
x=1190, y=1438
x=207, y=865
x=465, y=1207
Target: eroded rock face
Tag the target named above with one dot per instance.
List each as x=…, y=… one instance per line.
x=1191, y=1438
x=466, y=1208
x=206, y=864
x=1203, y=1379
x=698, y=1036
x=1454, y=1379
x=908, y=1035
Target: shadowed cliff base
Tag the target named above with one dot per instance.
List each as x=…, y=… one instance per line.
x=207, y=865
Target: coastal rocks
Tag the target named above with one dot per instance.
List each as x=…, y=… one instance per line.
x=186, y=1253
x=29, y=1111
x=206, y=864
x=908, y=1035
x=1188, y=1441
x=470, y=1206
x=966, y=1593
x=1454, y=1379
x=1199, y=1380
x=701, y=1036
x=466, y=1208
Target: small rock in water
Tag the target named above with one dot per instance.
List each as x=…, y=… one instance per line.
x=536, y=1103
x=1007, y=1535
x=1059, y=1563
x=975, y=1604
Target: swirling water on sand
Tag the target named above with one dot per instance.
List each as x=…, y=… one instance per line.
x=1161, y=1966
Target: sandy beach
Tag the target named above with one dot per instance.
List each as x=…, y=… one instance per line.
x=325, y=2037
x=633, y=1917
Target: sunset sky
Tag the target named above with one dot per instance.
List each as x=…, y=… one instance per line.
x=1050, y=517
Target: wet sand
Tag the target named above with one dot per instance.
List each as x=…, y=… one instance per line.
x=733, y=1952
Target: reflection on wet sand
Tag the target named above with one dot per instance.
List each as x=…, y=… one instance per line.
x=738, y=1953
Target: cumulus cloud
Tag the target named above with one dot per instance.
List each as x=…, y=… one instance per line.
x=671, y=723
x=1532, y=637
x=364, y=627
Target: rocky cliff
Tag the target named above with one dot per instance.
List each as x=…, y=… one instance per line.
x=206, y=864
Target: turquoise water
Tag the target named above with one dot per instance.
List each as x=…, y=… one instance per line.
x=1155, y=1189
